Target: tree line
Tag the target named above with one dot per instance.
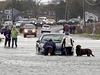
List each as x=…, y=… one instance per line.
x=73, y=8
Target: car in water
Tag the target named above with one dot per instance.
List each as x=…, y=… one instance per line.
x=46, y=28
x=58, y=38
x=50, y=22
x=29, y=29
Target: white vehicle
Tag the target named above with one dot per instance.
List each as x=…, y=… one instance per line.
x=46, y=28
x=90, y=17
x=50, y=22
x=9, y=23
x=18, y=23
x=42, y=18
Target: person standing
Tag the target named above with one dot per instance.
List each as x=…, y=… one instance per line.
x=7, y=34
x=68, y=44
x=66, y=28
x=73, y=29
x=14, y=34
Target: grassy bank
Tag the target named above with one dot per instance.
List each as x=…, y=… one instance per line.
x=87, y=30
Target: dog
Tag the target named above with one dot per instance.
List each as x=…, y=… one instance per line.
x=81, y=52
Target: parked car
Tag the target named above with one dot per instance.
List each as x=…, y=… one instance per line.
x=58, y=38
x=46, y=28
x=73, y=21
x=50, y=22
x=43, y=19
x=62, y=21
x=30, y=29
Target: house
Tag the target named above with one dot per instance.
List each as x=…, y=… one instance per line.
x=9, y=14
x=91, y=16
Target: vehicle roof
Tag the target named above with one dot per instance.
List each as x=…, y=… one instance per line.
x=53, y=33
x=42, y=17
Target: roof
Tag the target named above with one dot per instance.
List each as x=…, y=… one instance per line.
x=53, y=33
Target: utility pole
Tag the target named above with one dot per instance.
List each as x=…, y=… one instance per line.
x=84, y=14
x=12, y=12
x=66, y=10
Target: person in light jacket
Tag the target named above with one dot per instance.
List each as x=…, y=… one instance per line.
x=14, y=34
x=68, y=43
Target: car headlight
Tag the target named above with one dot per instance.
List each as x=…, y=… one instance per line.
x=33, y=30
x=35, y=23
x=41, y=23
x=73, y=21
x=25, y=30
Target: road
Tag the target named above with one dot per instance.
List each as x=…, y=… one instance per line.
x=24, y=60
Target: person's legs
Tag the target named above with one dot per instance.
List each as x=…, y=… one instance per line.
x=68, y=50
x=5, y=41
x=9, y=42
x=50, y=50
x=12, y=42
x=46, y=51
x=16, y=42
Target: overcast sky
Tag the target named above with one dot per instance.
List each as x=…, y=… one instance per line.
x=1, y=0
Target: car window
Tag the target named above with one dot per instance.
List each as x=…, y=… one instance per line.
x=55, y=38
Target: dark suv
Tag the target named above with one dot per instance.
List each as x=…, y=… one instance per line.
x=30, y=29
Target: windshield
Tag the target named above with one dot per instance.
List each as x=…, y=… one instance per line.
x=50, y=20
x=61, y=20
x=55, y=37
x=29, y=26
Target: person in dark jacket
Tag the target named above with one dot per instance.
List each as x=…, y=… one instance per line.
x=49, y=47
x=7, y=34
x=66, y=28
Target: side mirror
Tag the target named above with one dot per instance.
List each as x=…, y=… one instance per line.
x=38, y=41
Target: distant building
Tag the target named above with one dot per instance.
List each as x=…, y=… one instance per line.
x=91, y=16
x=9, y=14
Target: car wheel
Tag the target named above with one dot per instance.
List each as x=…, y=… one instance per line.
x=41, y=31
x=25, y=35
x=38, y=50
x=1, y=32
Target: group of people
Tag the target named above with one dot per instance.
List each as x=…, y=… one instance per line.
x=50, y=46
x=69, y=29
x=11, y=34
